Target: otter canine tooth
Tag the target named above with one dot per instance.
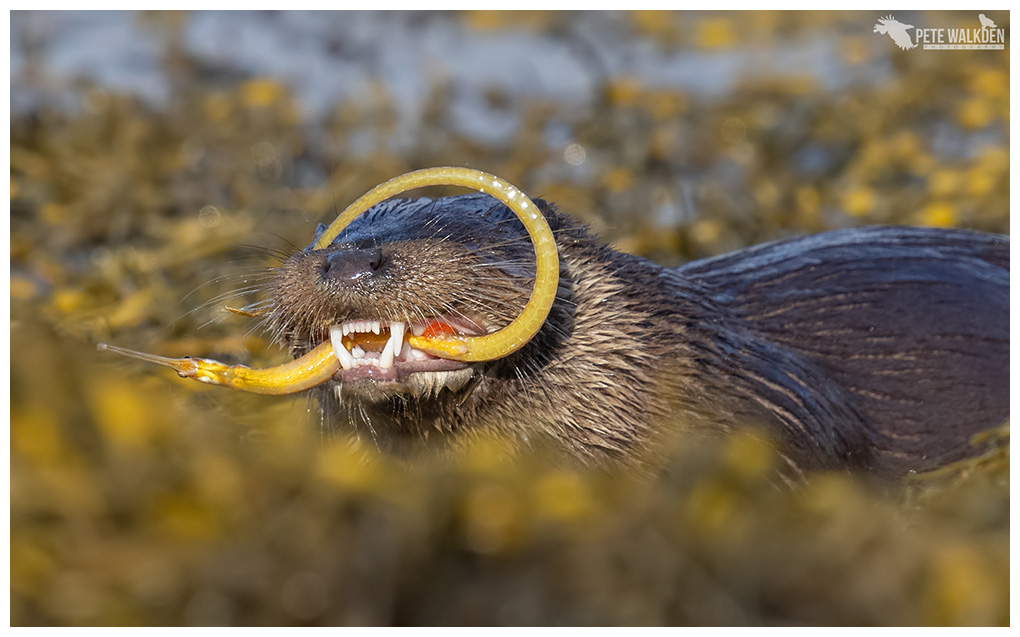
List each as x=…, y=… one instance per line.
x=396, y=335
x=336, y=334
x=393, y=345
x=386, y=358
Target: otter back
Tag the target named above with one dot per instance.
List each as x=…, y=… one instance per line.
x=912, y=323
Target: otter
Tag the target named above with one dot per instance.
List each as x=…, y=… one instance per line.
x=881, y=349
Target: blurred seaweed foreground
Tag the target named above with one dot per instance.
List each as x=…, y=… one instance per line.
x=140, y=499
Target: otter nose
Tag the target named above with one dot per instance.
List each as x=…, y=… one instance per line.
x=350, y=265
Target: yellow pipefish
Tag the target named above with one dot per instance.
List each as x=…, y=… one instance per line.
x=320, y=364
x=310, y=370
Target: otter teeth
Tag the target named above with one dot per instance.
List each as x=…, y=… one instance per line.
x=350, y=327
x=395, y=347
x=336, y=334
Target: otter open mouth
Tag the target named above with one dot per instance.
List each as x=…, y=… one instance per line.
x=380, y=350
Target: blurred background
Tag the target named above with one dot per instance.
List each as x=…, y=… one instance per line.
x=162, y=162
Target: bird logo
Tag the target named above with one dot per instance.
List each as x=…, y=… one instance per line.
x=898, y=31
x=986, y=23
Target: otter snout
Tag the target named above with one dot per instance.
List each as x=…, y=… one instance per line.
x=345, y=266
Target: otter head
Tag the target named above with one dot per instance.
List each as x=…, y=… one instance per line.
x=457, y=265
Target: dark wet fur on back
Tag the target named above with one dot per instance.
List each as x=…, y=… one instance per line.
x=910, y=326
x=883, y=348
